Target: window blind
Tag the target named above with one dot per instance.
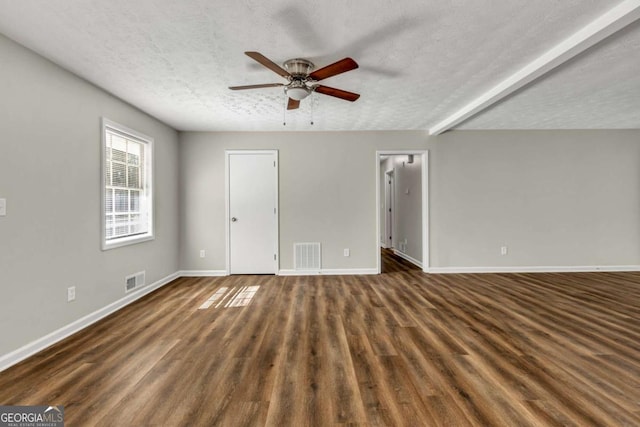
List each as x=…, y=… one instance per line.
x=127, y=190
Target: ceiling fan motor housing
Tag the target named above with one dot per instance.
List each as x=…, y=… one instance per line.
x=298, y=67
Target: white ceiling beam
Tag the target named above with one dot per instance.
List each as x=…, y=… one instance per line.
x=607, y=24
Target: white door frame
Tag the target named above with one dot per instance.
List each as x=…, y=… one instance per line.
x=389, y=218
x=227, y=206
x=424, y=154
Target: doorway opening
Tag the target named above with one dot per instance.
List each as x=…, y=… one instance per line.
x=402, y=210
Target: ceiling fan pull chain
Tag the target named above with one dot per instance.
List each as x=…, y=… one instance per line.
x=284, y=110
x=313, y=100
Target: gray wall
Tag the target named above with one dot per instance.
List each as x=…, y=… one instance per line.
x=327, y=192
x=555, y=198
x=50, y=176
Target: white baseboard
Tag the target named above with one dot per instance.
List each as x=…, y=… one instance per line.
x=33, y=347
x=202, y=273
x=408, y=258
x=535, y=269
x=329, y=271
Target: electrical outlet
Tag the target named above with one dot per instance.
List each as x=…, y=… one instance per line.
x=71, y=293
x=202, y=253
x=503, y=250
x=347, y=252
x=3, y=207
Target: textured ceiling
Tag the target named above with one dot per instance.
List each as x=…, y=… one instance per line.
x=596, y=90
x=419, y=61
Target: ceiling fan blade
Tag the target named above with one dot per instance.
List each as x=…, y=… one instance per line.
x=293, y=104
x=338, y=93
x=342, y=66
x=256, y=56
x=255, y=86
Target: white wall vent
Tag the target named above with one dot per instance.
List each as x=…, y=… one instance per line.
x=134, y=281
x=306, y=256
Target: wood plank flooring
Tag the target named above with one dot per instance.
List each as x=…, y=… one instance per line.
x=399, y=349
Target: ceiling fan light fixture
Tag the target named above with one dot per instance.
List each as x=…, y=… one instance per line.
x=297, y=92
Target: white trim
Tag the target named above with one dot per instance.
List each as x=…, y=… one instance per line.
x=329, y=271
x=202, y=273
x=227, y=218
x=426, y=231
x=56, y=336
x=424, y=154
x=597, y=30
x=412, y=260
x=149, y=183
x=535, y=269
x=389, y=193
x=127, y=240
x=227, y=206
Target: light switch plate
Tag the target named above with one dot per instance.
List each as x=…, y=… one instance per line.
x=3, y=207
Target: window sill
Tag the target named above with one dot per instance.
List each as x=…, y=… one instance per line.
x=126, y=241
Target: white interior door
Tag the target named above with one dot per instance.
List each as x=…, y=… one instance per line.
x=252, y=212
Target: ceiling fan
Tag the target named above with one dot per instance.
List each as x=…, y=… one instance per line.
x=302, y=80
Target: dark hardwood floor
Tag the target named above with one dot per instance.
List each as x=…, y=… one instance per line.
x=401, y=348
x=393, y=264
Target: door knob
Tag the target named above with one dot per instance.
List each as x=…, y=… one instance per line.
x=234, y=219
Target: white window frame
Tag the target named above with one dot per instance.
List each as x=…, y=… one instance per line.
x=148, y=188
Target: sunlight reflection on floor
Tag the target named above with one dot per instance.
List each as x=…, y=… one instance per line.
x=231, y=298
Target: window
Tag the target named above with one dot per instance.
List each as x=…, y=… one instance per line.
x=127, y=197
